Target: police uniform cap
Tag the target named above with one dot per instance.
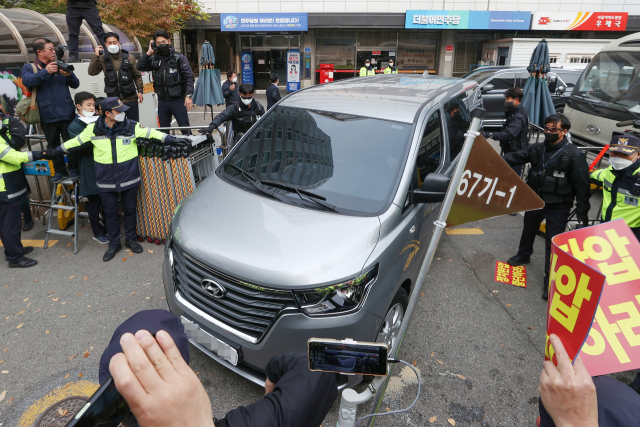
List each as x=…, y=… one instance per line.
x=113, y=103
x=626, y=144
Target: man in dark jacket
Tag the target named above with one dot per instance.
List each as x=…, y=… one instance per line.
x=559, y=175
x=77, y=10
x=513, y=135
x=243, y=115
x=86, y=105
x=121, y=77
x=230, y=89
x=172, y=80
x=273, y=94
x=13, y=134
x=295, y=396
x=54, y=102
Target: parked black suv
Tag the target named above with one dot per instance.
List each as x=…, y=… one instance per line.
x=495, y=80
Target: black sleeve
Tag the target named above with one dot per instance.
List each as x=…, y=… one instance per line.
x=581, y=183
x=276, y=94
x=18, y=132
x=144, y=63
x=187, y=73
x=509, y=133
x=226, y=92
x=301, y=397
x=260, y=109
x=520, y=157
x=228, y=114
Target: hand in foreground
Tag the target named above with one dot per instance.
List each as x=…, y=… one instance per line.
x=268, y=386
x=188, y=102
x=150, y=51
x=206, y=130
x=38, y=155
x=99, y=50
x=567, y=391
x=140, y=98
x=584, y=219
x=64, y=73
x=158, y=385
x=52, y=67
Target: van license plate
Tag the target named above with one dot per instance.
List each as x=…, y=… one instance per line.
x=210, y=342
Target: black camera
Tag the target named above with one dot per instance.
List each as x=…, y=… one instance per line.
x=62, y=66
x=153, y=45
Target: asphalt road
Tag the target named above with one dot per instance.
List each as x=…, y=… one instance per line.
x=478, y=344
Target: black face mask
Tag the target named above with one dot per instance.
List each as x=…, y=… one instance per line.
x=164, y=48
x=551, y=138
x=508, y=104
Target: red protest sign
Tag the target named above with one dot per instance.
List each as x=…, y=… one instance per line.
x=613, y=343
x=574, y=291
x=515, y=276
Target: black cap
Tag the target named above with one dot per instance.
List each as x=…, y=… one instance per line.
x=149, y=320
x=113, y=103
x=626, y=144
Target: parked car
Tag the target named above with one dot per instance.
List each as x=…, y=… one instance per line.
x=317, y=222
x=494, y=81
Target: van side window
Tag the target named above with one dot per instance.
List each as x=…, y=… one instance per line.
x=431, y=147
x=503, y=81
x=457, y=118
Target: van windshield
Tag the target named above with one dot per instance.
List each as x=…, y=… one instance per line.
x=353, y=162
x=481, y=75
x=612, y=77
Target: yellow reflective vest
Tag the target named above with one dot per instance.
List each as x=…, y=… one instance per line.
x=365, y=72
x=390, y=70
x=620, y=193
x=115, y=153
x=10, y=174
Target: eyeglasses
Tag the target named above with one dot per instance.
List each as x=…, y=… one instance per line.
x=552, y=129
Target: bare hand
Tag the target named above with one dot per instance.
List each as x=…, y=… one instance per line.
x=567, y=392
x=158, y=385
x=52, y=67
x=188, y=102
x=268, y=386
x=99, y=50
x=140, y=98
x=150, y=50
x=64, y=73
x=232, y=87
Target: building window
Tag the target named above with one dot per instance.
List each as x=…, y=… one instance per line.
x=276, y=162
x=553, y=59
x=279, y=133
x=289, y=158
x=289, y=134
x=265, y=162
x=579, y=59
x=252, y=162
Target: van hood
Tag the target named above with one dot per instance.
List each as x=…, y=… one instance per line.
x=267, y=242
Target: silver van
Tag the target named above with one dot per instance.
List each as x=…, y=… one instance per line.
x=316, y=223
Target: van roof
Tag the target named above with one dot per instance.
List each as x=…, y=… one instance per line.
x=630, y=43
x=394, y=97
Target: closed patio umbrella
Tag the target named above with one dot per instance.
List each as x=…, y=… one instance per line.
x=537, y=98
x=208, y=90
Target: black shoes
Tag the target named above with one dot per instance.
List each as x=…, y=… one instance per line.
x=518, y=260
x=74, y=174
x=58, y=177
x=545, y=294
x=28, y=225
x=111, y=252
x=134, y=246
x=73, y=59
x=23, y=263
x=27, y=250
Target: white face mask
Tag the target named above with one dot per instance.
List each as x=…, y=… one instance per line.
x=88, y=120
x=246, y=101
x=390, y=64
x=620, y=163
x=113, y=49
x=120, y=117
x=86, y=113
x=367, y=65
x=235, y=79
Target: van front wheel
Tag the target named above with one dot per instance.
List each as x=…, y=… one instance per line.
x=392, y=322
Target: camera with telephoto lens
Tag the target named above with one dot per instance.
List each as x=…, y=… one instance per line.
x=62, y=66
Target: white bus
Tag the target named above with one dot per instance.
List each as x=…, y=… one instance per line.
x=607, y=93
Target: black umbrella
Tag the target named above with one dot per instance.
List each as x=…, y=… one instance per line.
x=537, y=98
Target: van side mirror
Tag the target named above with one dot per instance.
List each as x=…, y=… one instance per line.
x=560, y=90
x=433, y=189
x=487, y=88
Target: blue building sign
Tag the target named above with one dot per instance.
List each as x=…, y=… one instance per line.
x=248, y=22
x=467, y=20
x=247, y=67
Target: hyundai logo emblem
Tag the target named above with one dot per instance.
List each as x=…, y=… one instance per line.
x=593, y=130
x=214, y=289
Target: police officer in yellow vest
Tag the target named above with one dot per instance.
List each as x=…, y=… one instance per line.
x=115, y=155
x=621, y=182
x=13, y=186
x=368, y=69
x=390, y=68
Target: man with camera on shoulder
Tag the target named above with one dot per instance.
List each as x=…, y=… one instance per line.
x=52, y=79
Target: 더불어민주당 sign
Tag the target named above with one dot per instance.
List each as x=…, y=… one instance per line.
x=515, y=276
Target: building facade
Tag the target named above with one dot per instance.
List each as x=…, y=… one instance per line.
x=441, y=37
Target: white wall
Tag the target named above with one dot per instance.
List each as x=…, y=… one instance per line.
x=400, y=6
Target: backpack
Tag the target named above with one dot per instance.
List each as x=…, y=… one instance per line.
x=27, y=108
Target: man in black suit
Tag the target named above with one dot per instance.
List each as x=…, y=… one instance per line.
x=273, y=94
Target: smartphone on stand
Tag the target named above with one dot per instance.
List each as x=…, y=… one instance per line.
x=348, y=357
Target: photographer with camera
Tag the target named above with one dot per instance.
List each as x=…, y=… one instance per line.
x=172, y=80
x=121, y=77
x=53, y=78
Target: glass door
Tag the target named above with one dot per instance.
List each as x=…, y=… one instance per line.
x=262, y=68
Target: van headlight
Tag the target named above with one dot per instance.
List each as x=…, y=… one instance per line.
x=338, y=298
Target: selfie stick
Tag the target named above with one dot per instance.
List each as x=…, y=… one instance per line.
x=350, y=399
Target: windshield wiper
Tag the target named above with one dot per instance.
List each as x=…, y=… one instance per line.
x=626, y=109
x=256, y=183
x=312, y=197
x=584, y=98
